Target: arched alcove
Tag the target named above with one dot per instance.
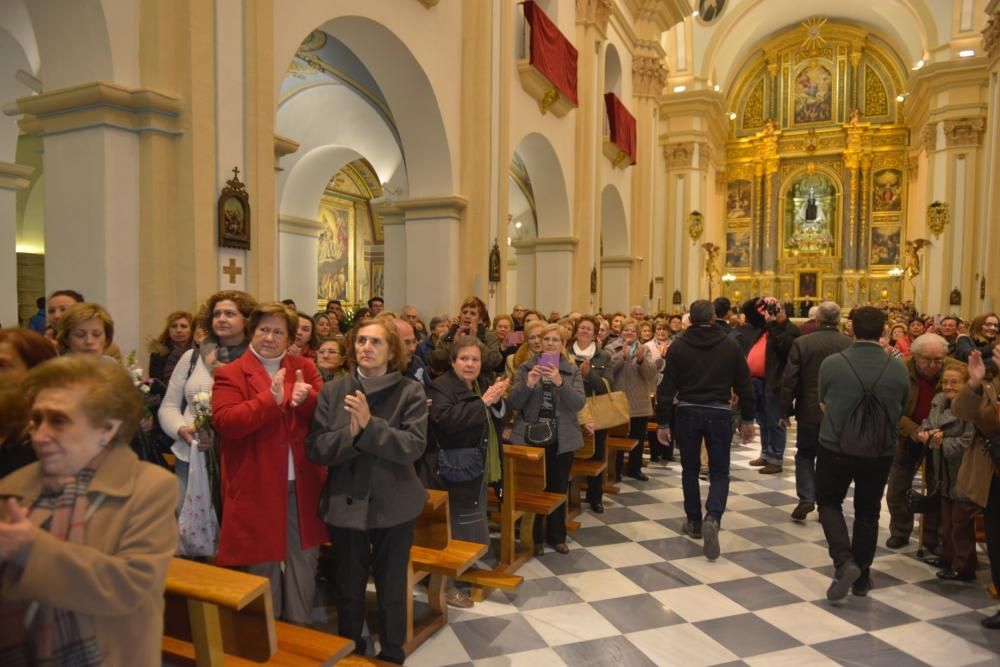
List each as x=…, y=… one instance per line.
x=612, y=71
x=615, y=260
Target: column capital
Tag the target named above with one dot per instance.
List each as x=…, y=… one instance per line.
x=964, y=132
x=15, y=176
x=594, y=13
x=100, y=104
x=991, y=36
x=649, y=76
x=928, y=137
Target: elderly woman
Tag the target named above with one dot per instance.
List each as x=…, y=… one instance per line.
x=595, y=369
x=224, y=318
x=465, y=418
x=370, y=428
x=20, y=351
x=331, y=359
x=982, y=336
x=547, y=393
x=262, y=405
x=472, y=321
x=635, y=372
x=167, y=349
x=85, y=328
x=86, y=533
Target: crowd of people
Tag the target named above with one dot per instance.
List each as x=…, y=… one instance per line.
x=288, y=430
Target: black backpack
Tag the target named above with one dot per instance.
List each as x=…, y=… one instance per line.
x=868, y=431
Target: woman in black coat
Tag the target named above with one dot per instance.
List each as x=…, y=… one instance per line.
x=464, y=421
x=595, y=368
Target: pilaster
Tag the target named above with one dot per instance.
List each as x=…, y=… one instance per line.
x=13, y=179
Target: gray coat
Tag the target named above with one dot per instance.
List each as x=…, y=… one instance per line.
x=635, y=379
x=569, y=400
x=800, y=382
x=372, y=482
x=957, y=438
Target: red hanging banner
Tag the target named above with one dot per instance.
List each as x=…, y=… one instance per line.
x=551, y=53
x=622, y=125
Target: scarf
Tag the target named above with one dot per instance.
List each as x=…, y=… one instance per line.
x=173, y=356
x=492, y=472
x=584, y=353
x=49, y=636
x=224, y=353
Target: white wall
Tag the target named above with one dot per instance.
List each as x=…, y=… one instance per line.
x=297, y=279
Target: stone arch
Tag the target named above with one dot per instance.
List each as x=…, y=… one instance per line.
x=548, y=183
x=86, y=40
x=409, y=94
x=612, y=71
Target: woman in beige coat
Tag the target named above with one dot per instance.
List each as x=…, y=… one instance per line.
x=87, y=532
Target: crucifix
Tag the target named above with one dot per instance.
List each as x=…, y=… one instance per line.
x=236, y=173
x=232, y=271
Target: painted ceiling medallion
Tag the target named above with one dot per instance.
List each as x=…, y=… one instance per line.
x=813, y=29
x=709, y=11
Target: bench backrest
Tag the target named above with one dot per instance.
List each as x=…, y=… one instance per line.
x=433, y=525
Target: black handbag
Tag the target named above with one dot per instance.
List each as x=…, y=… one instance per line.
x=462, y=464
x=920, y=503
x=541, y=433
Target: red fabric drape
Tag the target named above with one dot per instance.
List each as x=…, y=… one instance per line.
x=622, y=125
x=551, y=52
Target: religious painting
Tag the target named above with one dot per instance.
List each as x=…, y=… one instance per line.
x=738, y=200
x=887, y=190
x=738, y=250
x=813, y=94
x=810, y=215
x=234, y=214
x=884, y=247
x=334, y=251
x=377, y=273
x=808, y=285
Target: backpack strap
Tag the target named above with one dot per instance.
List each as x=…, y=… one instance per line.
x=867, y=390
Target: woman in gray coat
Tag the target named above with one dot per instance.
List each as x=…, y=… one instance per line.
x=369, y=428
x=635, y=374
x=547, y=393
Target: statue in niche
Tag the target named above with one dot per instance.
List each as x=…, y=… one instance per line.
x=811, y=209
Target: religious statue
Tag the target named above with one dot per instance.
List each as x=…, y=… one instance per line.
x=912, y=254
x=811, y=233
x=711, y=258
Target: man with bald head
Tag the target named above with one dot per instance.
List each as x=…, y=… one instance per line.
x=638, y=313
x=416, y=368
x=800, y=396
x=411, y=316
x=924, y=365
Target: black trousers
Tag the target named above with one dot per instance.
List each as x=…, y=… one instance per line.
x=834, y=474
x=354, y=553
x=552, y=529
x=905, y=462
x=636, y=430
x=595, y=485
x=992, y=520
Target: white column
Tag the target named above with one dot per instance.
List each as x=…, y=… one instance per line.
x=525, y=289
x=554, y=275
x=92, y=222
x=615, y=272
x=13, y=178
x=394, y=273
x=298, y=266
x=432, y=247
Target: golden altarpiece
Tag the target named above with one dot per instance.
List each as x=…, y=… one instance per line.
x=817, y=168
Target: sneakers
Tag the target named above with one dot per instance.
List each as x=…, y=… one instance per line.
x=710, y=532
x=758, y=462
x=692, y=528
x=802, y=510
x=770, y=469
x=847, y=574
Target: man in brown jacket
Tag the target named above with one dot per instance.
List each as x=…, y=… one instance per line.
x=977, y=403
x=924, y=367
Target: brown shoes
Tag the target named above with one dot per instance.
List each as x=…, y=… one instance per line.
x=459, y=600
x=758, y=462
x=770, y=469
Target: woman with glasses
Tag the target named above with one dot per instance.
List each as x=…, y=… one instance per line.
x=330, y=359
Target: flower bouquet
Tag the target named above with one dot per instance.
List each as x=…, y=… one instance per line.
x=204, y=440
x=144, y=442
x=198, y=521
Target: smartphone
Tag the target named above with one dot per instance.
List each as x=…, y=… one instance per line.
x=550, y=359
x=514, y=338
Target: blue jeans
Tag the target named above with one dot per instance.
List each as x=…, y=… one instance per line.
x=805, y=462
x=772, y=436
x=714, y=426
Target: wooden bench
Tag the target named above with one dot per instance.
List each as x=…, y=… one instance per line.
x=214, y=616
x=583, y=469
x=614, y=444
x=435, y=556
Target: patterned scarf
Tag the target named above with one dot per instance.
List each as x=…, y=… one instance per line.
x=492, y=472
x=39, y=635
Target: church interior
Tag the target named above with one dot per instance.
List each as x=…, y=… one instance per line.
x=565, y=155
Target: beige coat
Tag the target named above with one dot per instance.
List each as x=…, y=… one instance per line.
x=118, y=577
x=979, y=407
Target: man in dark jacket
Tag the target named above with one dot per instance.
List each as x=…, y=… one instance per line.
x=843, y=380
x=702, y=370
x=767, y=339
x=800, y=386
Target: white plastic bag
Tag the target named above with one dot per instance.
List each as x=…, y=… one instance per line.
x=197, y=524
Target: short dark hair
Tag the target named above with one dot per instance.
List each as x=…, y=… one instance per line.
x=40, y=302
x=722, y=306
x=701, y=312
x=371, y=301
x=868, y=323
x=289, y=302
x=73, y=294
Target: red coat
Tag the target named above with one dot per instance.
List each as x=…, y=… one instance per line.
x=254, y=435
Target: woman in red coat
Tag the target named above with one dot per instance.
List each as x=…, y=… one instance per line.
x=262, y=405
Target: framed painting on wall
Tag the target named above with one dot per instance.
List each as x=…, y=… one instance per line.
x=738, y=249
x=738, y=203
x=883, y=250
x=334, y=251
x=887, y=190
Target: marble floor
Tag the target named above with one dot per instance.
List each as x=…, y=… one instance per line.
x=634, y=591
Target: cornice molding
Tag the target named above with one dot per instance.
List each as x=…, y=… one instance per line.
x=100, y=104
x=15, y=176
x=664, y=14
x=284, y=146
x=926, y=83
x=556, y=244
x=430, y=208
x=618, y=262
x=292, y=224
x=389, y=214
x=429, y=3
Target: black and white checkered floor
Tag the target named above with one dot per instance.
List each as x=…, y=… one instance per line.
x=634, y=591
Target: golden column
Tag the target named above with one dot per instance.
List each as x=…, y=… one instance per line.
x=591, y=32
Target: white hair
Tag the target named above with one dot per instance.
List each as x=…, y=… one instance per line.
x=922, y=341
x=812, y=312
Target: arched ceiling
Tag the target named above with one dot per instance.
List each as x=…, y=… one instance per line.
x=915, y=28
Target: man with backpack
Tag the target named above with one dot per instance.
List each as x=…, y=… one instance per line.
x=863, y=393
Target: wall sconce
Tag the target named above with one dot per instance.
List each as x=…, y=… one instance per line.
x=938, y=217
x=696, y=225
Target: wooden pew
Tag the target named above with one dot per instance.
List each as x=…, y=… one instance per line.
x=214, y=616
x=613, y=445
x=435, y=556
x=583, y=468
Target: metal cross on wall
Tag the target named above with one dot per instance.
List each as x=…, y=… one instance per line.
x=232, y=271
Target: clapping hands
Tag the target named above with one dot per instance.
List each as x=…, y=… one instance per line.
x=496, y=391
